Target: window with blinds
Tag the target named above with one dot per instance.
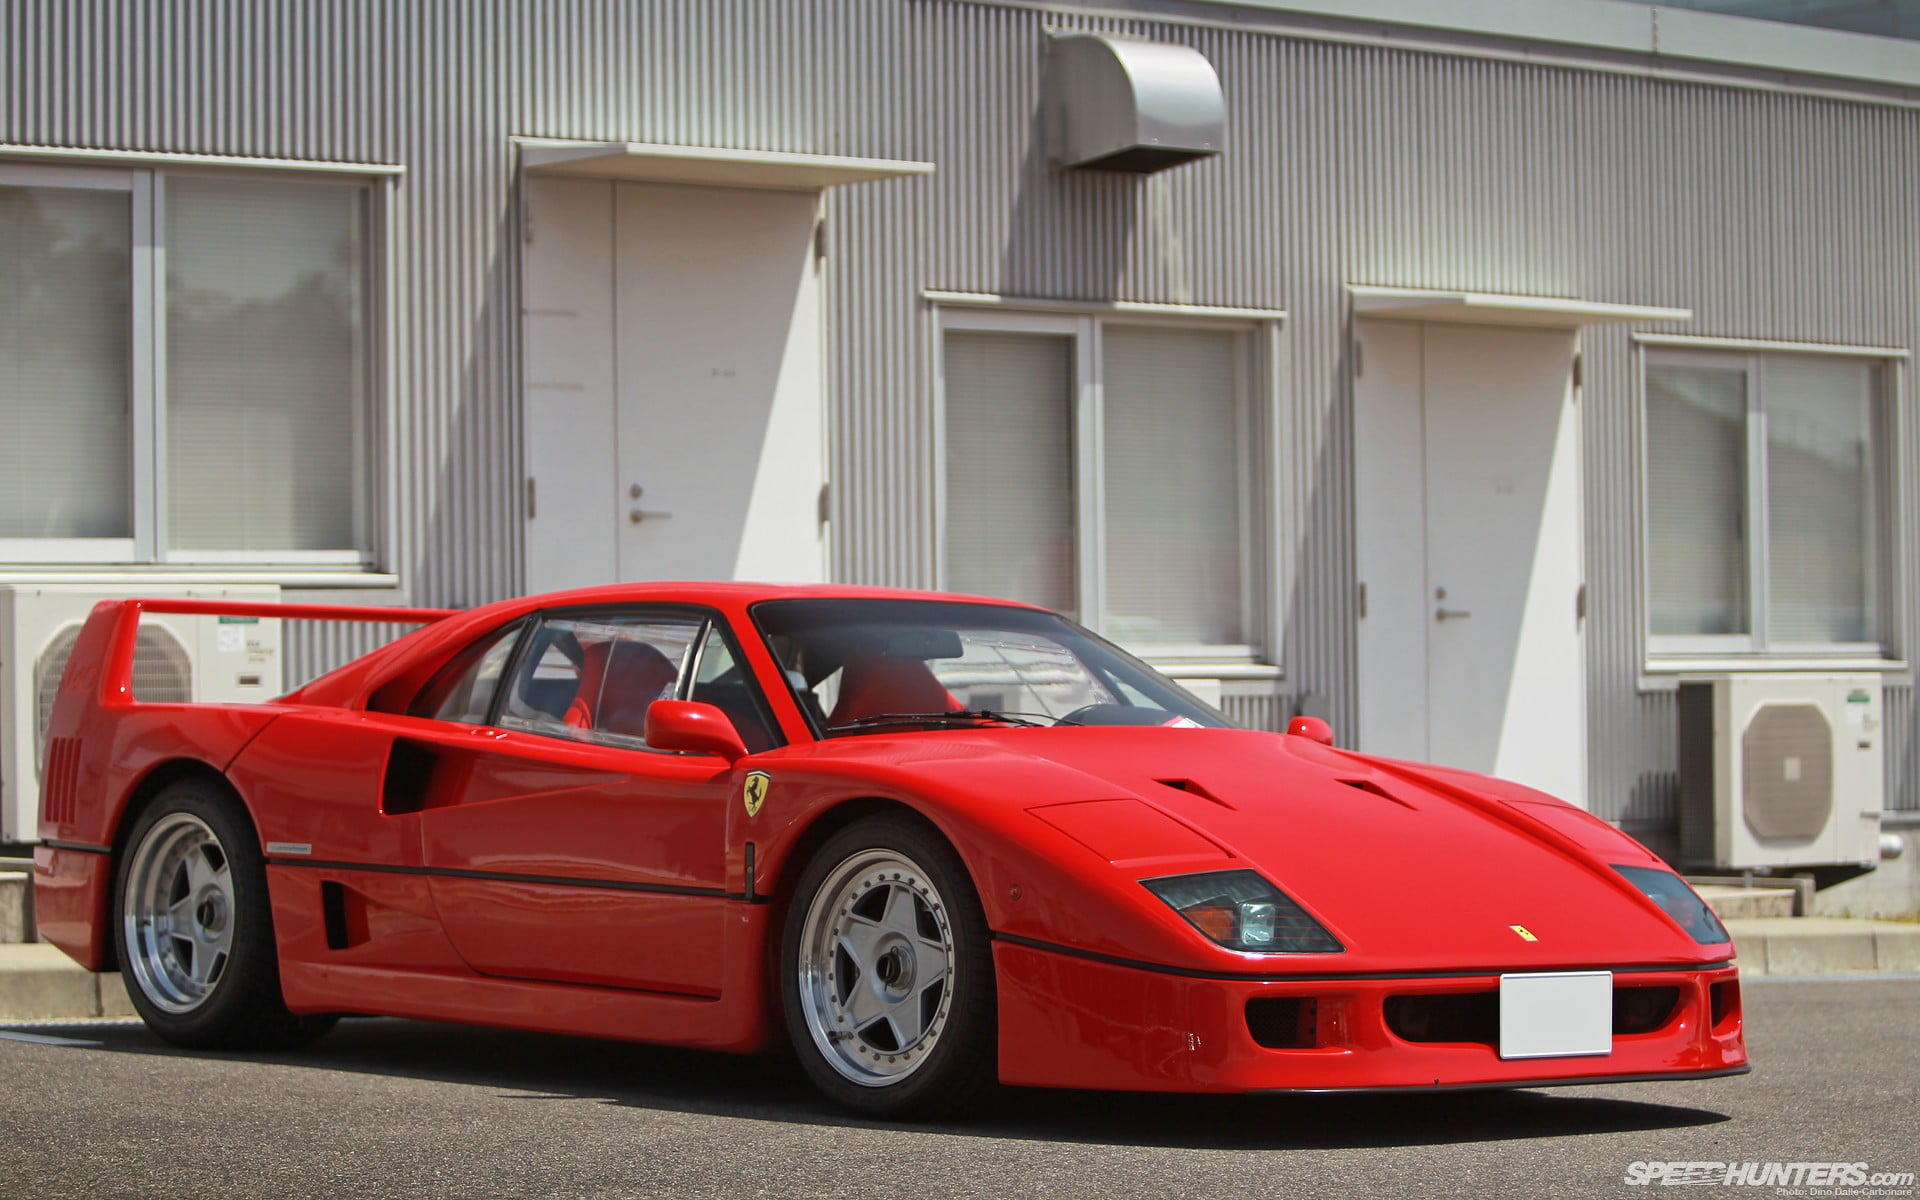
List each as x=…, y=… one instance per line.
x=1174, y=550
x=1763, y=502
x=184, y=367
x=1697, y=499
x=66, y=318
x=1099, y=467
x=266, y=365
x=1009, y=463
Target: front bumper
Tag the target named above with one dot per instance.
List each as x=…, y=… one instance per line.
x=1068, y=1020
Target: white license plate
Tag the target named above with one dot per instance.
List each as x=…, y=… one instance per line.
x=1562, y=1014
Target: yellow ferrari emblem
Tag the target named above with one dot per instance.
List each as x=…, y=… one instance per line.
x=754, y=793
x=1526, y=935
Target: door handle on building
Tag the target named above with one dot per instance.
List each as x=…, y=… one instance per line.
x=1454, y=614
x=637, y=515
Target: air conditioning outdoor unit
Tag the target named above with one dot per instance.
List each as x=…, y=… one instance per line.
x=1780, y=771
x=176, y=658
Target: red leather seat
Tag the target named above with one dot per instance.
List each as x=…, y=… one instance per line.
x=618, y=681
x=871, y=684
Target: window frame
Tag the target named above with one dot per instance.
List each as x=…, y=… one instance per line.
x=1255, y=373
x=707, y=621
x=144, y=181
x=1757, y=646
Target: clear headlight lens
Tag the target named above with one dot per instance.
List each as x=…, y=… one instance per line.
x=1242, y=911
x=1678, y=901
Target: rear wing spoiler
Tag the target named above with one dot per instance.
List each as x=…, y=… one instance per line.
x=96, y=693
x=99, y=672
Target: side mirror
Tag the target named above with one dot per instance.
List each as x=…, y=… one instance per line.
x=690, y=725
x=1311, y=728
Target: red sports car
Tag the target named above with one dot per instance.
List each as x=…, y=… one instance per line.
x=929, y=841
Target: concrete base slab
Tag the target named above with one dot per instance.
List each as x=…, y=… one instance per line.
x=113, y=995
x=1896, y=947
x=39, y=983
x=16, y=907
x=1823, y=945
x=1741, y=903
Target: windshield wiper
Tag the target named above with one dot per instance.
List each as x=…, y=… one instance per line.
x=932, y=718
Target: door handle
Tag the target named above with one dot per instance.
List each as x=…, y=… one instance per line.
x=1456, y=614
x=637, y=515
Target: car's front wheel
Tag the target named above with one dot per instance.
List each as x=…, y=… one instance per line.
x=193, y=928
x=887, y=974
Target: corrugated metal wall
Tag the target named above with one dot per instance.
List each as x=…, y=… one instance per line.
x=1771, y=214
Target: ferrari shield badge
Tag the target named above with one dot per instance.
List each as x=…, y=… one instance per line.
x=754, y=793
x=1526, y=935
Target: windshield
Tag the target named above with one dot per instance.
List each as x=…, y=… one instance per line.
x=862, y=666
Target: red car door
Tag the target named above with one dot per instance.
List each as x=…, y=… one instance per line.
x=559, y=846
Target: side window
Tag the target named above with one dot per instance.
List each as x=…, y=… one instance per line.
x=593, y=677
x=721, y=681
x=464, y=693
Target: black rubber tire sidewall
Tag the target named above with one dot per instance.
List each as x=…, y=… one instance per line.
x=964, y=1065
x=245, y=1009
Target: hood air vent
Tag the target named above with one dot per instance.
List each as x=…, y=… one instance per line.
x=1193, y=787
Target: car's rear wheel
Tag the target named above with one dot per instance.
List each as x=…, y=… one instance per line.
x=193, y=928
x=887, y=974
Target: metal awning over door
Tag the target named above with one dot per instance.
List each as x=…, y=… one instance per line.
x=707, y=166
x=1495, y=308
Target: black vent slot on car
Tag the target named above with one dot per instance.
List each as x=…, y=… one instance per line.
x=1445, y=1017
x=344, y=913
x=1373, y=789
x=1643, y=1009
x=1724, y=998
x=1475, y=1016
x=1192, y=787
x=409, y=771
x=1284, y=1022
x=333, y=911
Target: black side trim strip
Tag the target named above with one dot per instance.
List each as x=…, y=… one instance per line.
x=1326, y=976
x=77, y=847
x=614, y=885
x=1580, y=1081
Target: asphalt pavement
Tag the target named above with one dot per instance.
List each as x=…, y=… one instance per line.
x=387, y=1108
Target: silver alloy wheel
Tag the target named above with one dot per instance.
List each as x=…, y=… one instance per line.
x=179, y=912
x=876, y=967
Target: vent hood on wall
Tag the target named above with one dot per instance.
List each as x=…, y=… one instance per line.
x=1119, y=104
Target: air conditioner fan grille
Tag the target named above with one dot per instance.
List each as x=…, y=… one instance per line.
x=1787, y=772
x=162, y=674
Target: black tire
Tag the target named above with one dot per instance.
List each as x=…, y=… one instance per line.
x=193, y=928
x=883, y=1036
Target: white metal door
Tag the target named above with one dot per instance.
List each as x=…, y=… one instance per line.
x=567, y=312
x=675, y=416
x=1467, y=442
x=717, y=335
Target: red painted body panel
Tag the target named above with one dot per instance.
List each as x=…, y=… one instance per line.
x=71, y=889
x=335, y=985
x=429, y=869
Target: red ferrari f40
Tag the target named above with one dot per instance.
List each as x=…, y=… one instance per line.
x=929, y=843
